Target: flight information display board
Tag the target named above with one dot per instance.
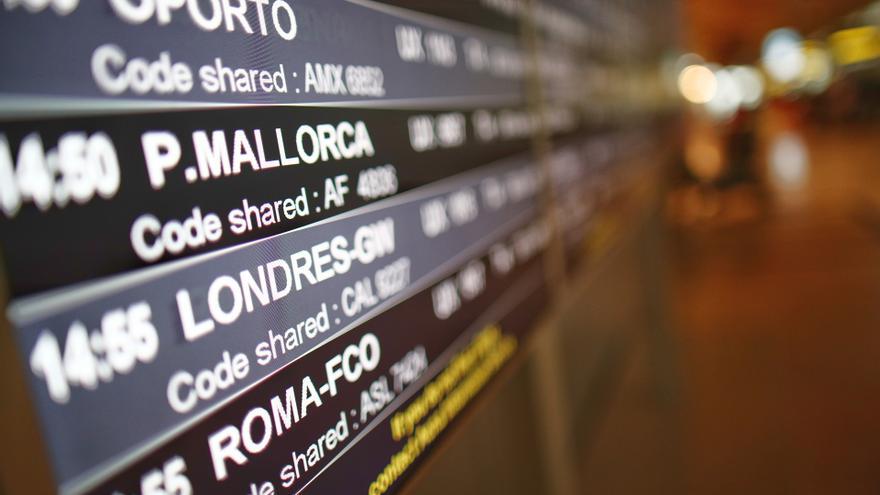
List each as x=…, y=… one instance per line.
x=275, y=246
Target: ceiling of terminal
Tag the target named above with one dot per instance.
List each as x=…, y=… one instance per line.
x=731, y=31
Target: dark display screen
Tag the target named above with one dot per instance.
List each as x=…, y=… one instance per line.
x=275, y=246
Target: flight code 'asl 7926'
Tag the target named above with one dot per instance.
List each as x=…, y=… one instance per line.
x=357, y=381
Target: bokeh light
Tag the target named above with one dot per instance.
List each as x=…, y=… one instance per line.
x=697, y=83
x=782, y=56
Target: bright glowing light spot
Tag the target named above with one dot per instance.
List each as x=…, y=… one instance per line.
x=782, y=56
x=818, y=69
x=856, y=45
x=751, y=85
x=697, y=84
x=727, y=97
x=789, y=161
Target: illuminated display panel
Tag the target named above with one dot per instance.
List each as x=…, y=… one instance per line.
x=272, y=247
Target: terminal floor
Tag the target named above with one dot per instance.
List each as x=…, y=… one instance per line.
x=770, y=382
